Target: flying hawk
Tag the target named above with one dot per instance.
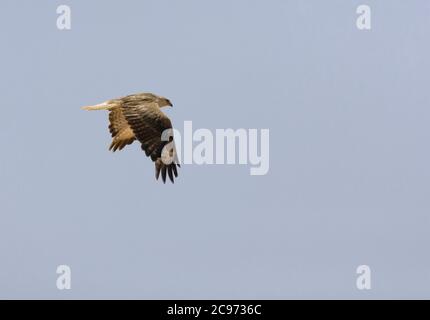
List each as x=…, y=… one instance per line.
x=138, y=117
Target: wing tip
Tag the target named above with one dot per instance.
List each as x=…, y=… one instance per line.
x=166, y=171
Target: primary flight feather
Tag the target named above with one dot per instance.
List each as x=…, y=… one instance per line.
x=138, y=117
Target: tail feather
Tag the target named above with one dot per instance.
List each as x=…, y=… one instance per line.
x=101, y=106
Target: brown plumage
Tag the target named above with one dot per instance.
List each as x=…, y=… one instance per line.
x=138, y=117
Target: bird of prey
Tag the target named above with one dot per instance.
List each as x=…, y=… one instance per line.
x=138, y=117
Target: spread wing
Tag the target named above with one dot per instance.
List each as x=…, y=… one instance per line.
x=148, y=124
x=121, y=132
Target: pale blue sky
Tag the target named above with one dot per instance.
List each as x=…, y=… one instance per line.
x=348, y=113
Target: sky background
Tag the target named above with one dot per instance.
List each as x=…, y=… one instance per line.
x=349, y=180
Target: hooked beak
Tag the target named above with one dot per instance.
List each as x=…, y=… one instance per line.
x=169, y=103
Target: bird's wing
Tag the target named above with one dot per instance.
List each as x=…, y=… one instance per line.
x=121, y=132
x=148, y=124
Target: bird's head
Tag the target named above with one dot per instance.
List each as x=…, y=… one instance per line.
x=146, y=98
x=164, y=102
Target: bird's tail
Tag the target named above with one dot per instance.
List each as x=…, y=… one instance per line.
x=101, y=106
